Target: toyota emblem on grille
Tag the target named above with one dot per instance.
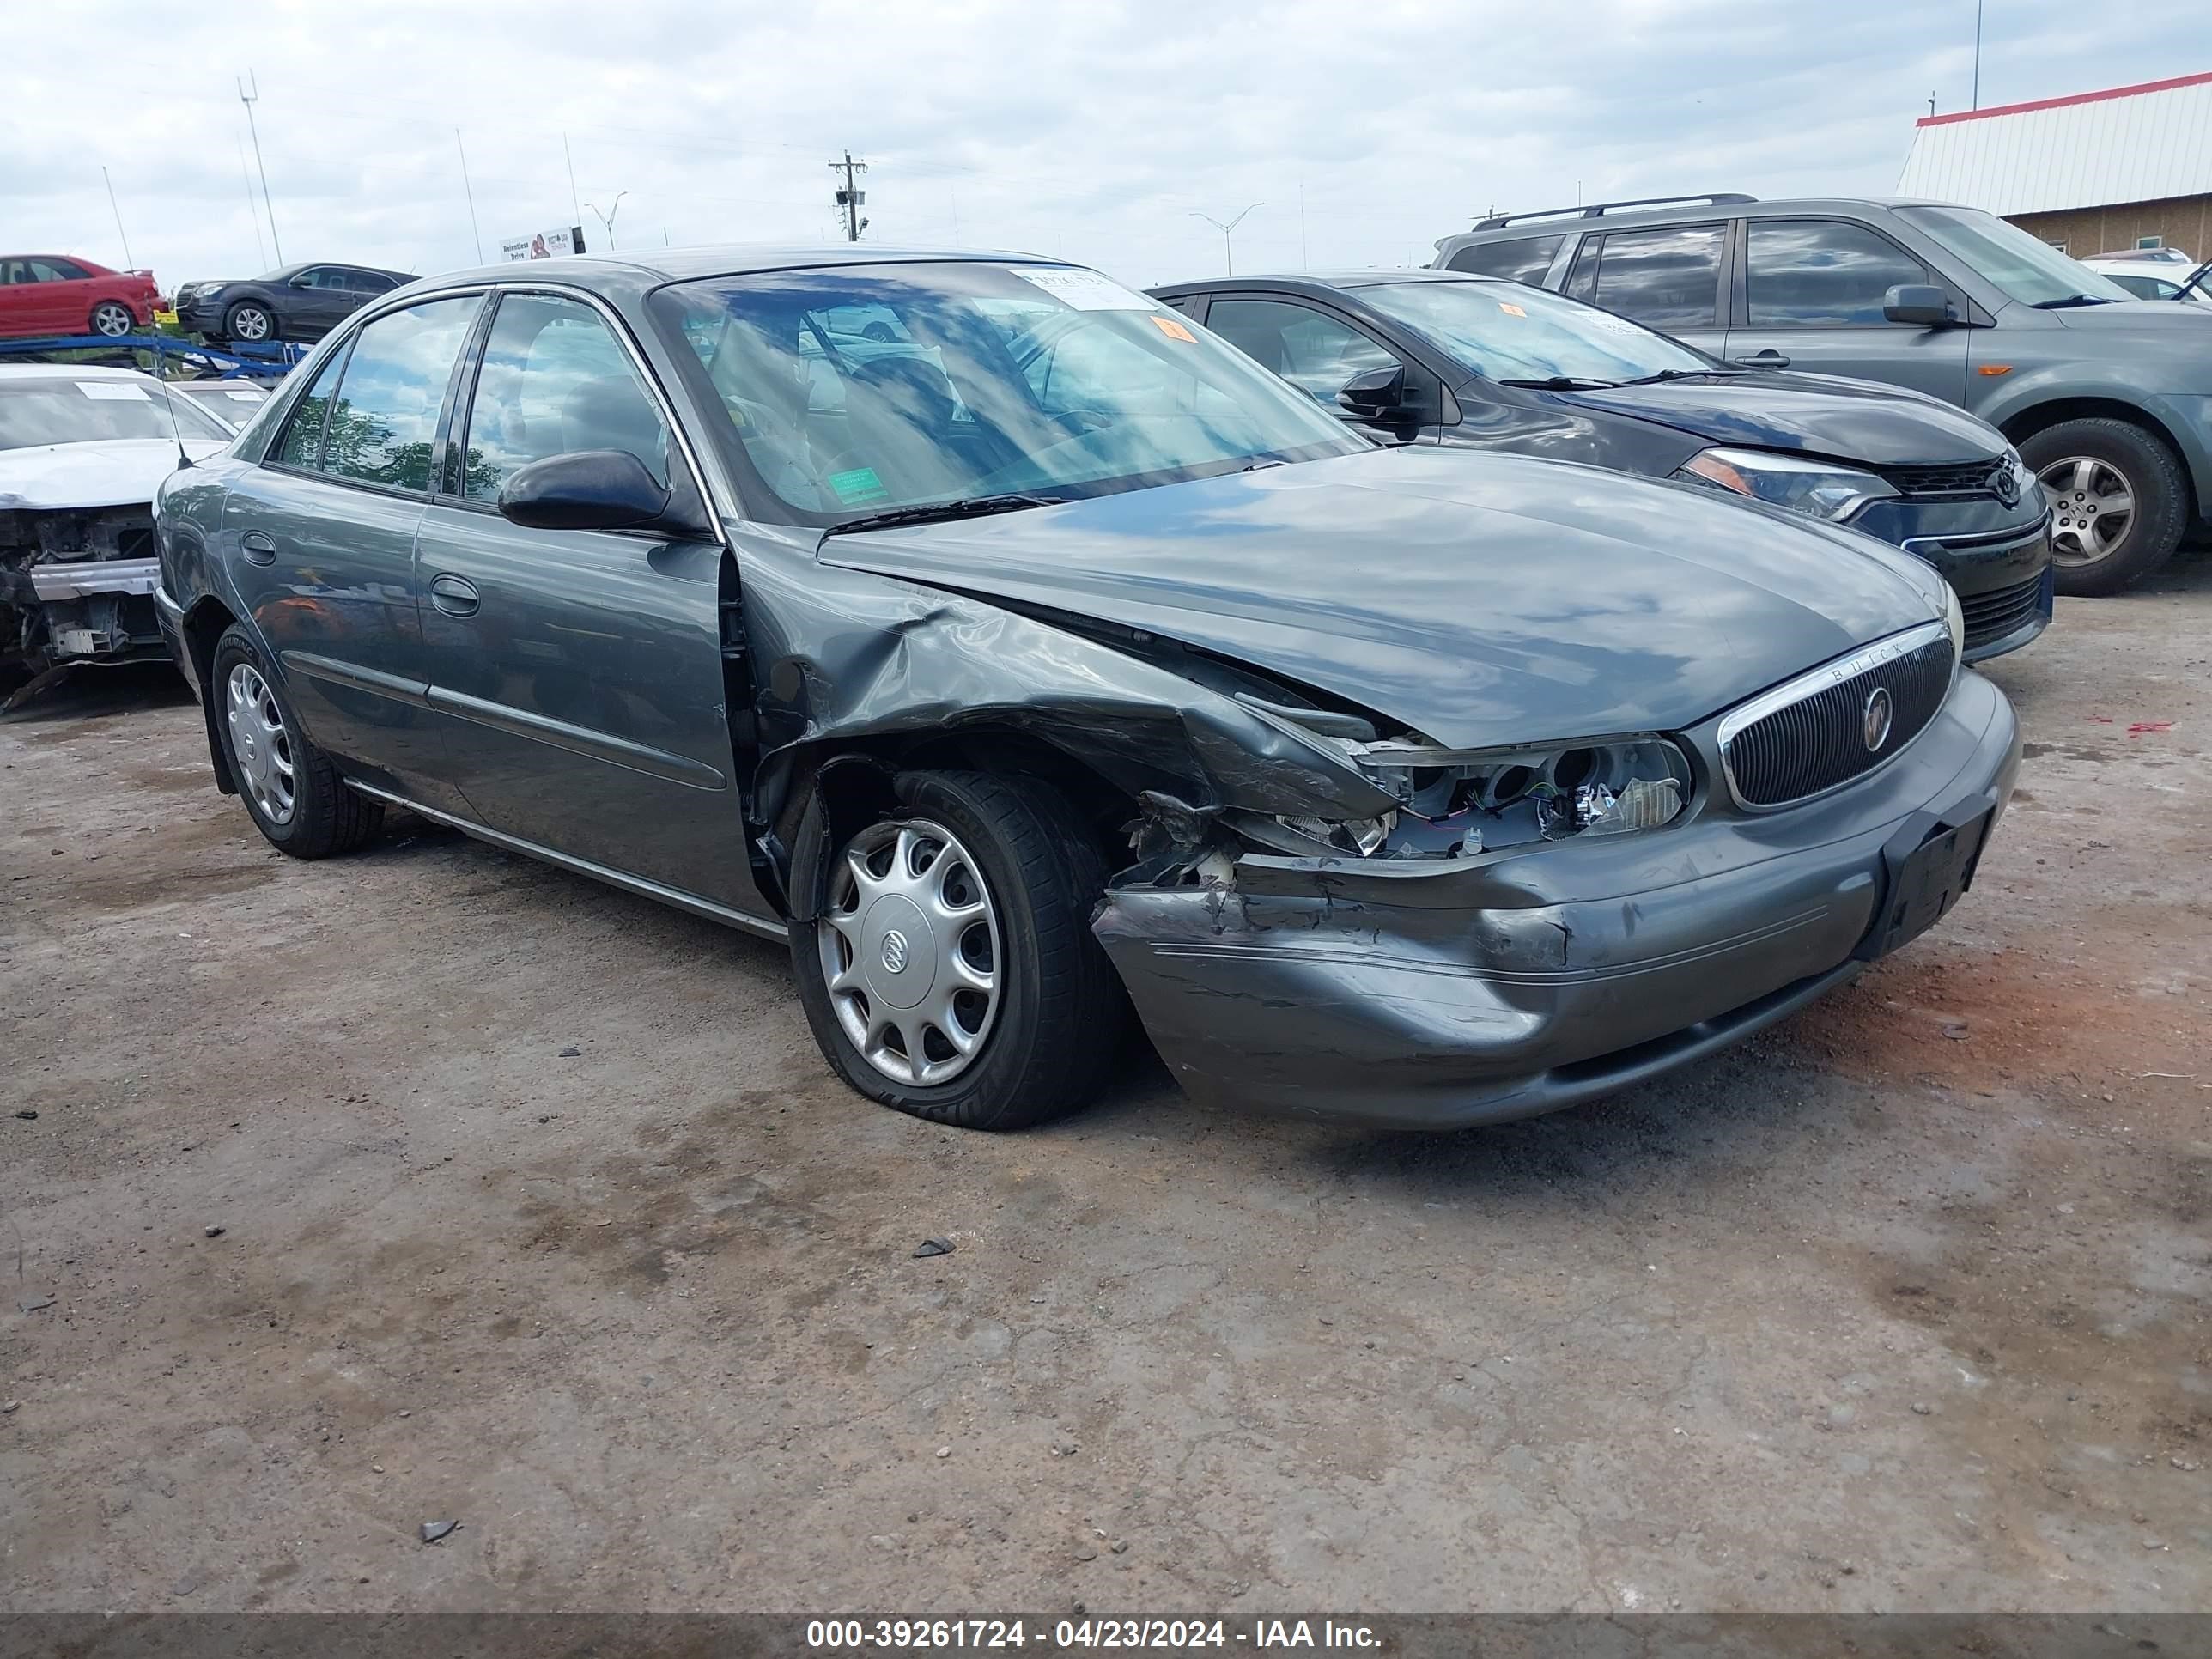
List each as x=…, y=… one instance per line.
x=2004, y=484
x=895, y=941
x=1875, y=724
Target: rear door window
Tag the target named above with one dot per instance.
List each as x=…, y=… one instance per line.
x=1524, y=259
x=301, y=446
x=384, y=418
x=1823, y=272
x=1667, y=278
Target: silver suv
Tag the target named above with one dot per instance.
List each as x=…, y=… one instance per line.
x=2108, y=397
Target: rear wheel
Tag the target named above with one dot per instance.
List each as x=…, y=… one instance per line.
x=2118, y=502
x=114, y=319
x=293, y=792
x=951, y=972
x=252, y=322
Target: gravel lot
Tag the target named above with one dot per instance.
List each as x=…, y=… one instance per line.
x=1903, y=1306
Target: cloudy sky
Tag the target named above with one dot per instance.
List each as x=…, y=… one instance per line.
x=1087, y=129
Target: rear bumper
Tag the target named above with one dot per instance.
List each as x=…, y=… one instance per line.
x=1385, y=996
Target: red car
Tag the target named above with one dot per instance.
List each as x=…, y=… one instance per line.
x=46, y=294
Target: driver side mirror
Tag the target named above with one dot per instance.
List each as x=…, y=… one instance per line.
x=599, y=489
x=1916, y=302
x=305, y=279
x=1376, y=394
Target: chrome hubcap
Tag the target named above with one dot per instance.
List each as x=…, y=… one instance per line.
x=910, y=950
x=259, y=744
x=111, y=319
x=250, y=324
x=2092, y=509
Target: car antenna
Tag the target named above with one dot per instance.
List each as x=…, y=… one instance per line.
x=169, y=400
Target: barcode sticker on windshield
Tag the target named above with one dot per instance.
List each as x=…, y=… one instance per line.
x=114, y=392
x=1084, y=290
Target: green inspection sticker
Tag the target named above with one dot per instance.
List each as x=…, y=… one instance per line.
x=861, y=484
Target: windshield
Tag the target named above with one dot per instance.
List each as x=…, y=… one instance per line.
x=857, y=391
x=1508, y=331
x=2034, y=273
x=63, y=409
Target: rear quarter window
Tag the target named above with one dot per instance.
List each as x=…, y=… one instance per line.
x=1519, y=260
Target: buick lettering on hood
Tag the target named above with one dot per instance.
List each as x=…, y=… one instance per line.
x=1026, y=657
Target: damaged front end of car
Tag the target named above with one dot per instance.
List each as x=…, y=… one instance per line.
x=76, y=586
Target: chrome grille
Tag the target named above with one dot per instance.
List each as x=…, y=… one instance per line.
x=1810, y=735
x=1993, y=614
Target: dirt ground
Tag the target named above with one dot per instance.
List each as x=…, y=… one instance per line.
x=1902, y=1306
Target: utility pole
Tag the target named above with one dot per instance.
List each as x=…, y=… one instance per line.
x=469, y=190
x=575, y=201
x=1978, y=54
x=849, y=196
x=249, y=99
x=118, y=211
x=607, y=219
x=1228, y=250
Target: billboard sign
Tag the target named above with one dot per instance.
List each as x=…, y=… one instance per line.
x=544, y=244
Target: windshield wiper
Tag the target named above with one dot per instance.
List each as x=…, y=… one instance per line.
x=974, y=506
x=1680, y=375
x=2071, y=302
x=1564, y=383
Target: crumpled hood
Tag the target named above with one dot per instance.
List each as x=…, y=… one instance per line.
x=1478, y=598
x=101, y=472
x=1821, y=415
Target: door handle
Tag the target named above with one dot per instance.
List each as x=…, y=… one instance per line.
x=1770, y=358
x=258, y=548
x=454, y=595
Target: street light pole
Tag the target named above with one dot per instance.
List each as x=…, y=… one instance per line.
x=607, y=219
x=1228, y=248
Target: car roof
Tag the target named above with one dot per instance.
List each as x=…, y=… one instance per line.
x=664, y=265
x=1321, y=280
x=69, y=371
x=1568, y=219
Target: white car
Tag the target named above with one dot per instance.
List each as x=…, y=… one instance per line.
x=82, y=451
x=2178, y=278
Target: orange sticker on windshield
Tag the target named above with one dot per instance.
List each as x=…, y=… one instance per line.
x=1510, y=309
x=1174, y=330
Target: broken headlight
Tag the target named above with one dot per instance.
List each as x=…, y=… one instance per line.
x=1462, y=802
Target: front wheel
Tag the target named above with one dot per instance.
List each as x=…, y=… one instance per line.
x=112, y=319
x=252, y=323
x=950, y=970
x=294, y=792
x=2118, y=502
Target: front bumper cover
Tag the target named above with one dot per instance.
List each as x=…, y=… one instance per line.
x=1423, y=995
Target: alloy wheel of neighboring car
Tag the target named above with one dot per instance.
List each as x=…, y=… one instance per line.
x=260, y=747
x=911, y=953
x=2093, y=506
x=112, y=318
x=252, y=323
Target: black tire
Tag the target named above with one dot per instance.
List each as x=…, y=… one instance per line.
x=1054, y=1035
x=326, y=817
x=104, y=318
x=2154, y=480
x=268, y=319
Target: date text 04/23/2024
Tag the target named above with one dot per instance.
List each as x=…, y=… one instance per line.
x=1086, y=1633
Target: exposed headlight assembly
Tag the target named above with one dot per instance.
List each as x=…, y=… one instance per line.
x=1819, y=488
x=1954, y=619
x=208, y=291
x=1462, y=802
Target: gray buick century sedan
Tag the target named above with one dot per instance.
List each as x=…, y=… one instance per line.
x=1024, y=655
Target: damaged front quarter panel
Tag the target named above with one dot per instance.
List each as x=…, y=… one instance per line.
x=848, y=661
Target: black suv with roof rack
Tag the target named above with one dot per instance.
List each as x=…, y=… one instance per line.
x=2108, y=397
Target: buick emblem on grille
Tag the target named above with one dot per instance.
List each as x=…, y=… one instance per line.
x=1875, y=719
x=2004, y=484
